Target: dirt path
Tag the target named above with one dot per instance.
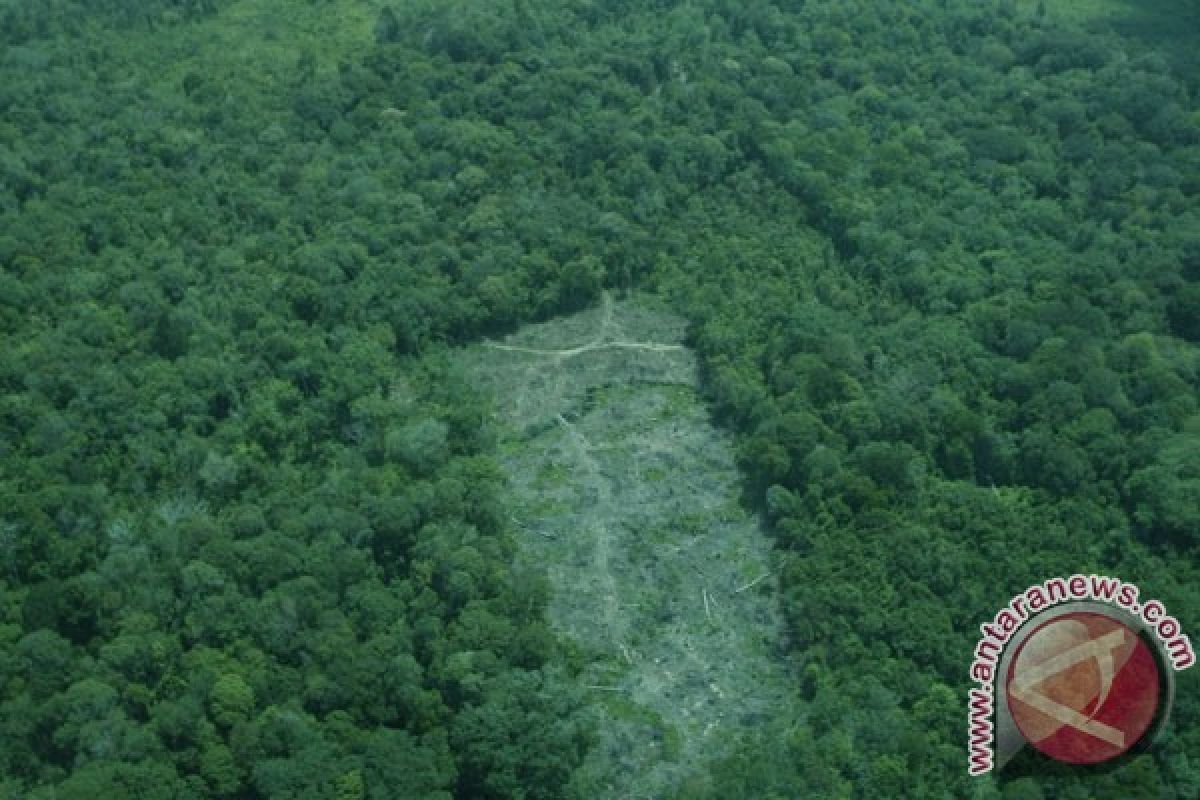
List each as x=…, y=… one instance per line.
x=604, y=340
x=627, y=497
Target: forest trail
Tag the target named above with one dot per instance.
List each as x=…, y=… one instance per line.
x=603, y=340
x=627, y=499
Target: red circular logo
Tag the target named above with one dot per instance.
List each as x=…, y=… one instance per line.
x=1083, y=688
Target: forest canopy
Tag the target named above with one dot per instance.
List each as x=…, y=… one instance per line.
x=941, y=266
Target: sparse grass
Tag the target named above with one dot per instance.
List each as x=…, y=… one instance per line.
x=654, y=474
x=694, y=524
x=551, y=476
x=546, y=508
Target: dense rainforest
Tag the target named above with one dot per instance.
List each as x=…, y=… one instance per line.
x=941, y=266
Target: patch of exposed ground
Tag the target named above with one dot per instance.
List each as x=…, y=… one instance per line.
x=626, y=496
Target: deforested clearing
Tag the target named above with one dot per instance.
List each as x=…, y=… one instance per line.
x=627, y=497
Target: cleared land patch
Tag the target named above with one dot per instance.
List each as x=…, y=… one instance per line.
x=626, y=497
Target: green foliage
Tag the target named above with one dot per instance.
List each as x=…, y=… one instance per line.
x=1167, y=491
x=231, y=700
x=941, y=270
